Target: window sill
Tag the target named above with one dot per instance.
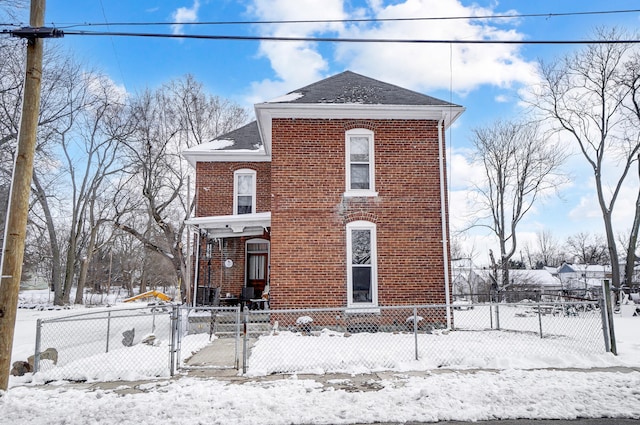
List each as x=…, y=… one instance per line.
x=360, y=193
x=362, y=310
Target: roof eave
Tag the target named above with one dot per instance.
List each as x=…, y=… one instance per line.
x=266, y=112
x=228, y=155
x=232, y=225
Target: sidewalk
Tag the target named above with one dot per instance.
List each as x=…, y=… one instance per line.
x=336, y=381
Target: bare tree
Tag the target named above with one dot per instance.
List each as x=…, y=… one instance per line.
x=58, y=101
x=520, y=166
x=586, y=248
x=87, y=136
x=631, y=80
x=585, y=95
x=11, y=9
x=172, y=118
x=546, y=253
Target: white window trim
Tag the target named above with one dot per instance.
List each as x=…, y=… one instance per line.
x=372, y=164
x=252, y=173
x=367, y=225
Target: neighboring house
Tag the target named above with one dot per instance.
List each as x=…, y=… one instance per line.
x=475, y=284
x=583, y=276
x=469, y=282
x=542, y=280
x=334, y=197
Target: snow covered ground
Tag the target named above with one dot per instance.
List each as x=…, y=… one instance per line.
x=513, y=391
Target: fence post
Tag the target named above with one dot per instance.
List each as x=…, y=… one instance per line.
x=605, y=327
x=36, y=356
x=415, y=329
x=108, y=329
x=540, y=319
x=237, y=338
x=174, y=335
x=607, y=301
x=244, y=340
x=490, y=314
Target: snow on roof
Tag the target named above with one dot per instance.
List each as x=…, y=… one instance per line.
x=214, y=145
x=526, y=277
x=290, y=97
x=592, y=268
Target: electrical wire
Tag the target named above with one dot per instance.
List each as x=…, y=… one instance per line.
x=342, y=40
x=113, y=46
x=67, y=25
x=357, y=20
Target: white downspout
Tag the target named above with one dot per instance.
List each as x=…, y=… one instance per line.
x=443, y=214
x=197, y=269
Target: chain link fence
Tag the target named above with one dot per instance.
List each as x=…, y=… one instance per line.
x=146, y=342
x=419, y=338
x=106, y=345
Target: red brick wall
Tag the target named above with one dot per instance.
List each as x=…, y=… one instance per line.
x=214, y=191
x=214, y=186
x=309, y=212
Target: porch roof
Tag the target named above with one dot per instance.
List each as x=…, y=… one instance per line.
x=237, y=225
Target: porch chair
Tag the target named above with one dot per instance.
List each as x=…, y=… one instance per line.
x=246, y=296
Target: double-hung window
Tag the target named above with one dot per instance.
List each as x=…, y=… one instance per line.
x=244, y=192
x=362, y=285
x=360, y=164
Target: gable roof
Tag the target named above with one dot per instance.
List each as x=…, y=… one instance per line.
x=245, y=137
x=353, y=96
x=243, y=143
x=344, y=95
x=349, y=87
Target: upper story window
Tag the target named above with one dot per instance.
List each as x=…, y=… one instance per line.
x=244, y=191
x=362, y=280
x=360, y=164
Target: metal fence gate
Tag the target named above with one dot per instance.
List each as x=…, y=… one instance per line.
x=208, y=337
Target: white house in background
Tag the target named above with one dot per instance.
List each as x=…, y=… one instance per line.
x=583, y=276
x=468, y=279
x=544, y=279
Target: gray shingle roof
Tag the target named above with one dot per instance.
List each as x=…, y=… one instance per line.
x=349, y=87
x=245, y=137
x=344, y=88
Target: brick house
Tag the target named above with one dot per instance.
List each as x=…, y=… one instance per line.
x=334, y=197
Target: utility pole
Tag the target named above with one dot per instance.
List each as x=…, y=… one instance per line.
x=16, y=225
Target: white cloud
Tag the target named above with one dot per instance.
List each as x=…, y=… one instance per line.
x=463, y=172
x=184, y=15
x=99, y=84
x=295, y=64
x=420, y=66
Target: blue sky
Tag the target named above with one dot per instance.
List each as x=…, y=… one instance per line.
x=487, y=80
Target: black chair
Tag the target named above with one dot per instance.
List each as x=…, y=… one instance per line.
x=246, y=296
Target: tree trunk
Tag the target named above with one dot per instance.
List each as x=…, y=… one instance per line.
x=84, y=266
x=69, y=273
x=56, y=272
x=633, y=242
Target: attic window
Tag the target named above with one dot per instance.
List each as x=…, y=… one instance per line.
x=360, y=164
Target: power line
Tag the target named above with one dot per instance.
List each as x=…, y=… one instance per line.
x=67, y=25
x=342, y=40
